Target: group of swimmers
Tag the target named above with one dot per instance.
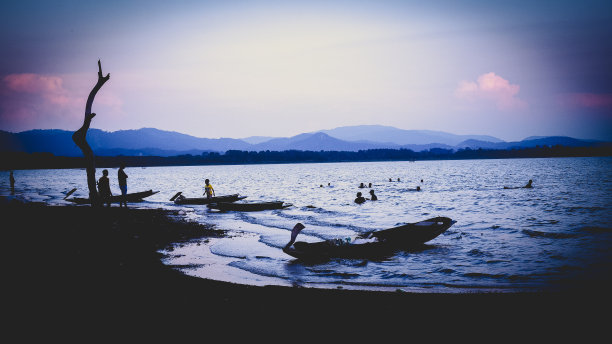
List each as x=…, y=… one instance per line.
x=360, y=199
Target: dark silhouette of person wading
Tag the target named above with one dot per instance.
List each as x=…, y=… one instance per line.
x=122, y=185
x=104, y=188
x=373, y=196
x=12, y=178
x=360, y=199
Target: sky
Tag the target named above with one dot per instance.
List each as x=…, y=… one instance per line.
x=510, y=69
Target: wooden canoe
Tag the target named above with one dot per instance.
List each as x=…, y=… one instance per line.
x=372, y=244
x=130, y=197
x=205, y=200
x=249, y=206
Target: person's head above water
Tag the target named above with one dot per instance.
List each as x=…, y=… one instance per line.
x=359, y=194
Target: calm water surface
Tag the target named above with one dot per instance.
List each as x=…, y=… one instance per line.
x=552, y=236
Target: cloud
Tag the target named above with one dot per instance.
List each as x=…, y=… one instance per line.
x=491, y=88
x=49, y=87
x=31, y=101
x=587, y=100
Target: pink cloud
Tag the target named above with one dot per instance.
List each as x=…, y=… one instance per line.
x=31, y=101
x=48, y=87
x=587, y=100
x=490, y=87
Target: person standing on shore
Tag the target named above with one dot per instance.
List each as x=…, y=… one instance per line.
x=104, y=188
x=12, y=178
x=208, y=189
x=122, y=185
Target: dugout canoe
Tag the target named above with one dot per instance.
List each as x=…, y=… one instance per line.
x=371, y=244
x=130, y=197
x=249, y=206
x=204, y=200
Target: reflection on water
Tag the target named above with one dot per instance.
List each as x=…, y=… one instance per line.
x=504, y=239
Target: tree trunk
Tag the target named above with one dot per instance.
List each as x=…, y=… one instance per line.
x=79, y=137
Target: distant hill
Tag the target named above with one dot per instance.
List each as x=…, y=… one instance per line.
x=155, y=142
x=146, y=141
x=379, y=133
x=313, y=142
x=160, y=139
x=539, y=141
x=257, y=139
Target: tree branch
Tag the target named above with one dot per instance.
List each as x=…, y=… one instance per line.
x=80, y=138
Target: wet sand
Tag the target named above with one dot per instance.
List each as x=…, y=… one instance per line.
x=77, y=264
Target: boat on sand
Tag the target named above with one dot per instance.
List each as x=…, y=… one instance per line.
x=371, y=244
x=130, y=197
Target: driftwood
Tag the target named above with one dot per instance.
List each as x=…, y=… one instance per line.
x=79, y=137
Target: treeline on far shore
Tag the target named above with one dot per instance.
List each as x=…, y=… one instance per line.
x=22, y=160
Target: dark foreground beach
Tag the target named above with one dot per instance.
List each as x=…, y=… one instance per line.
x=80, y=265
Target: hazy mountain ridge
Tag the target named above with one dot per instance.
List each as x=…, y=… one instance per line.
x=150, y=141
x=539, y=141
x=380, y=133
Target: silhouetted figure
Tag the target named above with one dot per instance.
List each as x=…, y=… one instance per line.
x=321, y=185
x=421, y=180
x=370, y=185
x=104, y=188
x=328, y=184
x=528, y=186
x=360, y=199
x=418, y=188
x=122, y=185
x=373, y=196
x=398, y=179
x=390, y=180
x=208, y=189
x=12, y=178
x=362, y=185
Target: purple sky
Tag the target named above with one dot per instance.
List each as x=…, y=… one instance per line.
x=510, y=69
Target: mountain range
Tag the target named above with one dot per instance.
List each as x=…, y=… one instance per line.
x=150, y=141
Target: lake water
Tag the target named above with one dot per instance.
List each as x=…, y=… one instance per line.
x=555, y=235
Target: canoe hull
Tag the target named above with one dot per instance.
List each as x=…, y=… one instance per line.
x=376, y=243
x=252, y=206
x=204, y=200
x=130, y=197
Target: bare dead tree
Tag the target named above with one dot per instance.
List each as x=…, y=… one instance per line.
x=79, y=137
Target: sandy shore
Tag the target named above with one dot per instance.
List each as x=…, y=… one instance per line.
x=80, y=262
